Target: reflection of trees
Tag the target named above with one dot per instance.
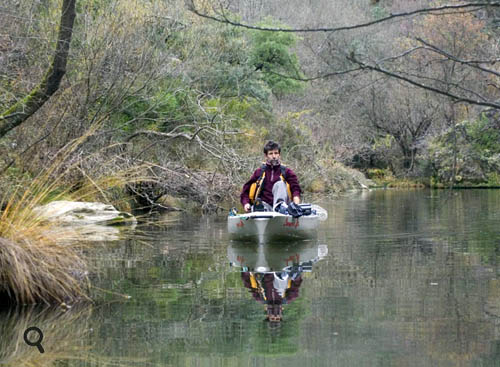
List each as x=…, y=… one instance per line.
x=64, y=333
x=400, y=286
x=187, y=302
x=411, y=278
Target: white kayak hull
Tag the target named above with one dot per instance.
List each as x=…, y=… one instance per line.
x=272, y=225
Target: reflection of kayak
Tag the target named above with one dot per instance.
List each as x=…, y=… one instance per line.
x=273, y=225
x=271, y=257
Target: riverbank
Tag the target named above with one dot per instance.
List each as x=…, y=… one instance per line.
x=385, y=179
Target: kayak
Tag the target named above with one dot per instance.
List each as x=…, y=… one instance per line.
x=274, y=225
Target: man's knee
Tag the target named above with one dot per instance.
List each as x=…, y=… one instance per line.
x=280, y=191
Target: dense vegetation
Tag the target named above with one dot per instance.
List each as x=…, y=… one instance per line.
x=151, y=85
x=389, y=80
x=167, y=103
x=191, y=100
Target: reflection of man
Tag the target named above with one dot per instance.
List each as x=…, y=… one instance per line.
x=273, y=289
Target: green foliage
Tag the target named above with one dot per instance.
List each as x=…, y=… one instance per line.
x=235, y=62
x=175, y=108
x=379, y=12
x=292, y=133
x=386, y=178
x=484, y=137
x=378, y=174
x=271, y=53
x=468, y=153
x=385, y=142
x=217, y=58
x=493, y=179
x=160, y=112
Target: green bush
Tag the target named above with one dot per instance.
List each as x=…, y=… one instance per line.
x=271, y=53
x=468, y=153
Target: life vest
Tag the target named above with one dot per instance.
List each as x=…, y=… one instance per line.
x=256, y=187
x=255, y=284
x=253, y=281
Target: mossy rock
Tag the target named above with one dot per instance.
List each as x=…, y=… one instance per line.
x=179, y=203
x=317, y=185
x=170, y=201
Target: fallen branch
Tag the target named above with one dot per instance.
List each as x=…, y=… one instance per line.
x=166, y=135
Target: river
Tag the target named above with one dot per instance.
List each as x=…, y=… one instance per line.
x=394, y=278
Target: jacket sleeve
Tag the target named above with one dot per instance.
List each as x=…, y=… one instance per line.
x=292, y=179
x=245, y=192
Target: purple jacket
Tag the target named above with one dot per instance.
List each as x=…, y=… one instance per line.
x=270, y=292
x=272, y=176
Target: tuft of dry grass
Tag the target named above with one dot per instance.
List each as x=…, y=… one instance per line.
x=40, y=270
x=40, y=261
x=35, y=266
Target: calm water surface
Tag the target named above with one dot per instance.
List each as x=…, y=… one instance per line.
x=395, y=278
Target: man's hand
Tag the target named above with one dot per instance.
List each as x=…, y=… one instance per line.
x=247, y=207
x=296, y=199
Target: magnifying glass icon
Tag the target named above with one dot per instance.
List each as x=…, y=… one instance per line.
x=38, y=342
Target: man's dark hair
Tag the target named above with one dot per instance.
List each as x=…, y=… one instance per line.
x=271, y=145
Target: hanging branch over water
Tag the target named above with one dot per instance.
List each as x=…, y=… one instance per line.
x=441, y=10
x=416, y=83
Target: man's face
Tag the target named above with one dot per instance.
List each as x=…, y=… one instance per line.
x=273, y=155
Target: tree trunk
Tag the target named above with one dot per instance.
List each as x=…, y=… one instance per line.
x=23, y=109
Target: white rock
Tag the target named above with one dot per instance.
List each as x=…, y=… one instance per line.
x=78, y=212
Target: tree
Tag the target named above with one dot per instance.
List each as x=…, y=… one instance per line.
x=402, y=113
x=271, y=54
x=390, y=65
x=23, y=109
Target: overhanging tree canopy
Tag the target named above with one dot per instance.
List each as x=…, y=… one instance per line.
x=470, y=74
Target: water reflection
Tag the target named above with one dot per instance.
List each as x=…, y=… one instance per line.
x=409, y=279
x=64, y=332
x=273, y=272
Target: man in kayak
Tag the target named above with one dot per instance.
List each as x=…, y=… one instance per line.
x=271, y=184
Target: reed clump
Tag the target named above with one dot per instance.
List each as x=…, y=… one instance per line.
x=40, y=261
x=36, y=265
x=36, y=270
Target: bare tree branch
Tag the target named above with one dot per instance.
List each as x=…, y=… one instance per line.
x=433, y=10
x=406, y=53
x=166, y=135
x=323, y=76
x=470, y=63
x=447, y=84
x=423, y=86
